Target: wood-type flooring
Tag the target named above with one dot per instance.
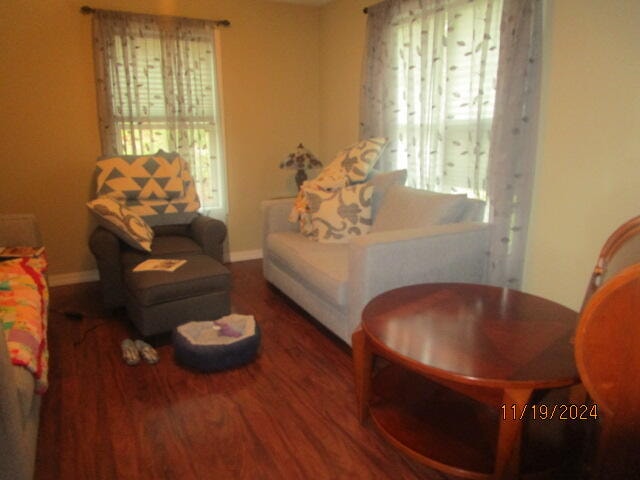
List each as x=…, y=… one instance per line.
x=289, y=415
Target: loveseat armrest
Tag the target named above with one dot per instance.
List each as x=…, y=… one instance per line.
x=275, y=216
x=382, y=261
x=209, y=233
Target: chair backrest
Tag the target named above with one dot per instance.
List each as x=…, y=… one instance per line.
x=621, y=249
x=607, y=352
x=158, y=187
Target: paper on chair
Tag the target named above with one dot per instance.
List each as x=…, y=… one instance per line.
x=159, y=264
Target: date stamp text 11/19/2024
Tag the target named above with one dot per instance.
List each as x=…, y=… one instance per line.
x=559, y=411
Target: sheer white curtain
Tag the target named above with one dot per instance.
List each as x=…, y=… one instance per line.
x=445, y=81
x=429, y=86
x=157, y=89
x=514, y=139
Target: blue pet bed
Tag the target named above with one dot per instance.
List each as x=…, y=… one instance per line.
x=212, y=346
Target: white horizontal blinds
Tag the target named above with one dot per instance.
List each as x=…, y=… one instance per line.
x=164, y=96
x=445, y=73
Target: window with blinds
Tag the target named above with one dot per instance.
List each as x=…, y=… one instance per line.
x=164, y=96
x=445, y=81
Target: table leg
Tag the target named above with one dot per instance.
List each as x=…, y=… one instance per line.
x=362, y=365
x=510, y=434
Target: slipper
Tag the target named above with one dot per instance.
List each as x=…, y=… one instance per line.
x=130, y=353
x=147, y=352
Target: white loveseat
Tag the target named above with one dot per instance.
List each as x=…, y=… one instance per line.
x=334, y=281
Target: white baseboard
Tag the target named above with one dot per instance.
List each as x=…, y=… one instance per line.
x=245, y=255
x=92, y=275
x=73, y=277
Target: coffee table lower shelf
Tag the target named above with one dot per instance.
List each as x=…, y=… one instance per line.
x=451, y=432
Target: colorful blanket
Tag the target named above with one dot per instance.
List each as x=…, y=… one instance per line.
x=24, y=301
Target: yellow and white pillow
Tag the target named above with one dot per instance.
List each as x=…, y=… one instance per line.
x=354, y=162
x=339, y=215
x=157, y=187
x=350, y=166
x=144, y=177
x=123, y=222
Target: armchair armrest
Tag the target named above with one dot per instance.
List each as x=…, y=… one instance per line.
x=382, y=261
x=209, y=233
x=105, y=246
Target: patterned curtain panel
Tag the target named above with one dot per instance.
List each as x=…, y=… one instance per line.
x=429, y=86
x=448, y=81
x=514, y=138
x=156, y=83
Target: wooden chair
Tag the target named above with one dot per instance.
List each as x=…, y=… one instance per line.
x=621, y=249
x=607, y=350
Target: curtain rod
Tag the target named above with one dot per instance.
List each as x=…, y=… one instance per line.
x=86, y=10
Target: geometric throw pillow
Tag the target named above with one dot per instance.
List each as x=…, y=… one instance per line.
x=158, y=187
x=122, y=222
x=139, y=177
x=340, y=215
x=405, y=207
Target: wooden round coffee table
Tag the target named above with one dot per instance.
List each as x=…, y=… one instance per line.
x=466, y=365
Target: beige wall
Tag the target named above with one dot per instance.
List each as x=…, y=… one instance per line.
x=588, y=167
x=588, y=170
x=342, y=39
x=48, y=128
x=292, y=74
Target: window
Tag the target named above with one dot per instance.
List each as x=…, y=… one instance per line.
x=159, y=77
x=431, y=86
x=439, y=93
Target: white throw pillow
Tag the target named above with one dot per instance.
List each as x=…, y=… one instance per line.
x=340, y=215
x=381, y=182
x=405, y=207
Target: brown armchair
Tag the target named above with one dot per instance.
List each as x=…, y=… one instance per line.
x=147, y=207
x=204, y=235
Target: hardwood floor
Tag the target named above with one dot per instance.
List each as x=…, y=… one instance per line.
x=289, y=415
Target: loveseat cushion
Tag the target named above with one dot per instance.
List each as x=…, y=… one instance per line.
x=405, y=207
x=322, y=266
x=383, y=181
x=474, y=211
